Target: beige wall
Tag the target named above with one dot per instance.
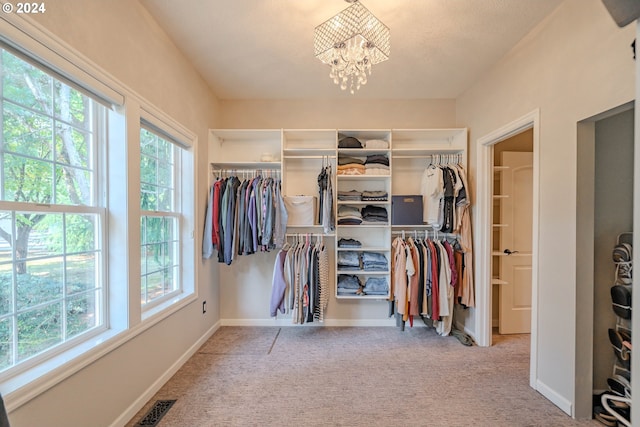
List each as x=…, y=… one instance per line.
x=350, y=114
x=573, y=66
x=121, y=38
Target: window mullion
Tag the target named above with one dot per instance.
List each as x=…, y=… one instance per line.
x=54, y=154
x=65, y=294
x=2, y=101
x=14, y=290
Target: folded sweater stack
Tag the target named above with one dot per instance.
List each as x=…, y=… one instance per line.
x=349, y=215
x=374, y=196
x=375, y=214
x=377, y=164
x=350, y=165
x=350, y=196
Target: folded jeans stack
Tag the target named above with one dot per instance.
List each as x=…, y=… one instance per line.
x=348, y=260
x=373, y=261
x=349, y=243
x=349, y=285
x=376, y=286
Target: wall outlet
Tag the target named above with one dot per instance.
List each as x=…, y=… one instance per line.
x=204, y=307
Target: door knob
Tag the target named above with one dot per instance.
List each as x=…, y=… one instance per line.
x=509, y=252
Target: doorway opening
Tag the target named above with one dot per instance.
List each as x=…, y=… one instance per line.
x=484, y=236
x=512, y=213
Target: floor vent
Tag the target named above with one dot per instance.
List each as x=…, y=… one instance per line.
x=155, y=414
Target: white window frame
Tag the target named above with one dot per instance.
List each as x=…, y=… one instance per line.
x=96, y=208
x=121, y=232
x=160, y=124
x=175, y=213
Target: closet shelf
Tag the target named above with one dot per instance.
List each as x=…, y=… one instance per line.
x=501, y=196
x=363, y=272
x=304, y=152
x=496, y=281
x=365, y=249
x=413, y=153
x=355, y=151
x=500, y=225
x=500, y=168
x=363, y=203
x=361, y=297
x=246, y=165
x=381, y=225
x=362, y=177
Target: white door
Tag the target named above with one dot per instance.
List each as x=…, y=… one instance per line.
x=516, y=212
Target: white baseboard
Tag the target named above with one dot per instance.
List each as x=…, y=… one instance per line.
x=555, y=397
x=133, y=409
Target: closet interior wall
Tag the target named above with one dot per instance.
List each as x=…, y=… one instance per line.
x=613, y=215
x=299, y=155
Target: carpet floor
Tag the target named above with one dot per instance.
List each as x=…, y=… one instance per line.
x=325, y=376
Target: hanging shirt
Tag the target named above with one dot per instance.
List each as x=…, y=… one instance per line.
x=278, y=285
x=207, y=242
x=399, y=274
x=432, y=192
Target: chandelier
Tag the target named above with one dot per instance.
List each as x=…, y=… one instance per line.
x=350, y=43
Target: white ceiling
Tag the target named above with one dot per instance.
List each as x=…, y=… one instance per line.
x=263, y=49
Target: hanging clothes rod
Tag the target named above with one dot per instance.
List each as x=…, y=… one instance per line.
x=245, y=172
x=445, y=159
x=431, y=231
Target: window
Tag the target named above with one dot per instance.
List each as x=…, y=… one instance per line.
x=159, y=220
x=51, y=218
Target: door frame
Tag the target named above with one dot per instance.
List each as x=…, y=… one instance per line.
x=484, y=231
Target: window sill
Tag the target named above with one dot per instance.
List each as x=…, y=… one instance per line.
x=21, y=388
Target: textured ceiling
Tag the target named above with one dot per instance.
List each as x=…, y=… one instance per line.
x=263, y=49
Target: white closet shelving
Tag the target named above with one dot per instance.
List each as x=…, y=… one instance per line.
x=298, y=156
x=304, y=153
x=498, y=227
x=413, y=150
x=374, y=236
x=234, y=149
